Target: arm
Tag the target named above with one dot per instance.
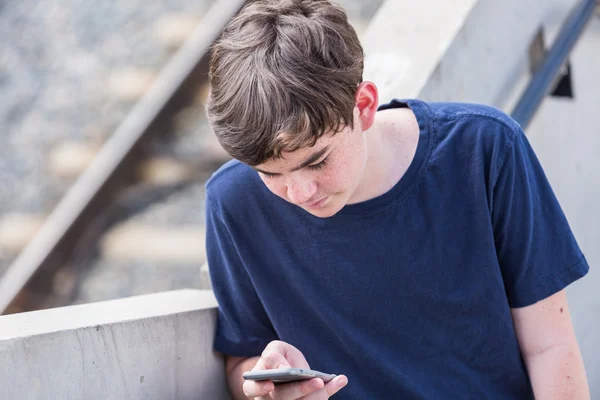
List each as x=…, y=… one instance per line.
x=539, y=257
x=235, y=367
x=550, y=350
x=241, y=316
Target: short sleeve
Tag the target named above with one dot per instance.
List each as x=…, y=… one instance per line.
x=536, y=249
x=243, y=327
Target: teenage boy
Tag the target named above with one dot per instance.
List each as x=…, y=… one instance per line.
x=415, y=249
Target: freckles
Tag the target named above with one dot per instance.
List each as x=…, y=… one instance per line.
x=326, y=180
x=344, y=168
x=336, y=180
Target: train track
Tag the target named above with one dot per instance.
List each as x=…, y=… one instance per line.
x=66, y=262
x=25, y=285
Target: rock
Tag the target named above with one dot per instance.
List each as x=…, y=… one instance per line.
x=17, y=229
x=129, y=84
x=136, y=241
x=164, y=170
x=187, y=119
x=173, y=30
x=69, y=159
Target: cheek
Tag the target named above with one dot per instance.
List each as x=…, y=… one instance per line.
x=345, y=173
x=336, y=179
x=330, y=180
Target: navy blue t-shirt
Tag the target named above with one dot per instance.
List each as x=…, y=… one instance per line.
x=408, y=294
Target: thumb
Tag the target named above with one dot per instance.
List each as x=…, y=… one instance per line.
x=279, y=354
x=274, y=360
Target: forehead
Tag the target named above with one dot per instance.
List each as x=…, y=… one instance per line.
x=292, y=159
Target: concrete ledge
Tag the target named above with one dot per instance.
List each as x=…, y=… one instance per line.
x=463, y=50
x=156, y=346
x=406, y=40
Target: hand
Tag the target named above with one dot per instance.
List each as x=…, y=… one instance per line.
x=278, y=355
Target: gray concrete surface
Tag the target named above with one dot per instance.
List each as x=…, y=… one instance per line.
x=155, y=346
x=407, y=40
x=465, y=50
x=566, y=137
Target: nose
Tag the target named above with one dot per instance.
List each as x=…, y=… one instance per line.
x=299, y=191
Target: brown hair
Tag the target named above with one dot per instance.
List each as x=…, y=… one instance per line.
x=283, y=73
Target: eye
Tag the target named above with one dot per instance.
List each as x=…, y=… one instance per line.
x=319, y=165
x=268, y=176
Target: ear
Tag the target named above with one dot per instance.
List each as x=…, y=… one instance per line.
x=367, y=101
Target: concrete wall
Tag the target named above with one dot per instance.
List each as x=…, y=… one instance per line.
x=566, y=136
x=156, y=346
x=407, y=40
x=464, y=50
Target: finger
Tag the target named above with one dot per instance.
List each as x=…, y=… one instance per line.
x=273, y=360
x=257, y=389
x=274, y=355
x=329, y=390
x=260, y=365
x=280, y=353
x=296, y=390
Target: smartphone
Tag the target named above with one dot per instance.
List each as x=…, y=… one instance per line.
x=286, y=375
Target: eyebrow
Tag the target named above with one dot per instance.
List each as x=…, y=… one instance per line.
x=313, y=157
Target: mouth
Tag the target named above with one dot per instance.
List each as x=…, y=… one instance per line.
x=318, y=203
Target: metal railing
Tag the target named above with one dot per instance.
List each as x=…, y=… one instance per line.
x=546, y=75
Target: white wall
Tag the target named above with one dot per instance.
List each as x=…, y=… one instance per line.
x=464, y=50
x=566, y=137
x=156, y=346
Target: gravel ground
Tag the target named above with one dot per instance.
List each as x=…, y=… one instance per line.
x=55, y=58
x=184, y=207
x=123, y=279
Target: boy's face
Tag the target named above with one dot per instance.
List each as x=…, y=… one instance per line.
x=321, y=179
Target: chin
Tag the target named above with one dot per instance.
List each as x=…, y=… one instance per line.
x=324, y=212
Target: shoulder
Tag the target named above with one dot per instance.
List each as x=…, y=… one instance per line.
x=461, y=121
x=231, y=185
x=486, y=119
x=228, y=176
x=473, y=129
x=471, y=111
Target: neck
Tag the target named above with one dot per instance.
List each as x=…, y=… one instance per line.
x=391, y=145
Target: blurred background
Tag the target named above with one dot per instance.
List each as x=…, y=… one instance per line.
x=71, y=71
x=105, y=148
